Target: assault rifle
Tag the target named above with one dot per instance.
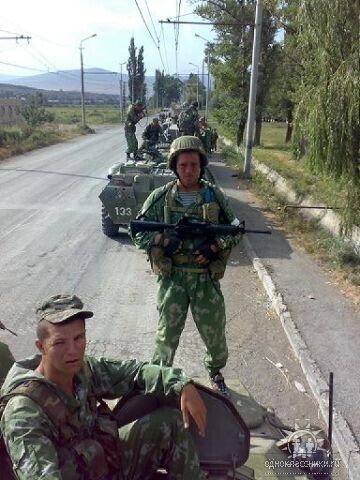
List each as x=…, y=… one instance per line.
x=188, y=227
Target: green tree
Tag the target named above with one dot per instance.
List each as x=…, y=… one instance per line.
x=167, y=89
x=230, y=57
x=136, y=73
x=34, y=111
x=140, y=79
x=190, y=89
x=327, y=113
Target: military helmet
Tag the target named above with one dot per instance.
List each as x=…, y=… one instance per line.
x=155, y=120
x=187, y=143
x=195, y=104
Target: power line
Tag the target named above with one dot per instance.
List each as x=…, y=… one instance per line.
x=25, y=68
x=156, y=35
x=166, y=57
x=146, y=26
x=152, y=38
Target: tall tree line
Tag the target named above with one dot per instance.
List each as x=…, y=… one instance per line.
x=308, y=76
x=136, y=73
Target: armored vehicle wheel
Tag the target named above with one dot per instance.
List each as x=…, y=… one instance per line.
x=108, y=226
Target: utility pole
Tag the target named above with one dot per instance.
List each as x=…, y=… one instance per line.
x=82, y=79
x=121, y=93
x=208, y=76
x=253, y=84
x=197, y=80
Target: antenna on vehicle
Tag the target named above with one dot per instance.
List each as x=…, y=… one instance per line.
x=331, y=406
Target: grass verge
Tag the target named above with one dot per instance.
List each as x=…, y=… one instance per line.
x=335, y=254
x=17, y=140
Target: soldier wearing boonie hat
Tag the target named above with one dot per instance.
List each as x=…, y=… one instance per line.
x=64, y=430
x=59, y=308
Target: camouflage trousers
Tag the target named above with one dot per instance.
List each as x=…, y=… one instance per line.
x=132, y=142
x=159, y=440
x=203, y=294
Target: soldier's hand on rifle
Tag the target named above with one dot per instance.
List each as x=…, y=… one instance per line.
x=192, y=404
x=171, y=243
x=207, y=252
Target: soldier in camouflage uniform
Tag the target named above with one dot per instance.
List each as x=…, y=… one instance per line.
x=189, y=270
x=188, y=121
x=134, y=114
x=54, y=427
x=151, y=135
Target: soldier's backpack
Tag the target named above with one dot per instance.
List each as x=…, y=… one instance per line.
x=185, y=122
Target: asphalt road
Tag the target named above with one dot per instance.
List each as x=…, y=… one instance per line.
x=51, y=242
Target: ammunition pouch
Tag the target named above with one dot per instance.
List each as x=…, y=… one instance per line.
x=160, y=263
x=217, y=267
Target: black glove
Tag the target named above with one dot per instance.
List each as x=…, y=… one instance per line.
x=206, y=251
x=173, y=244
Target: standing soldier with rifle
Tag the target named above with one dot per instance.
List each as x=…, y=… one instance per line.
x=189, y=268
x=134, y=114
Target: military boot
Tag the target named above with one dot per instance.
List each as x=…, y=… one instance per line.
x=217, y=383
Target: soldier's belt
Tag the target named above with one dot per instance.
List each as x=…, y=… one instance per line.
x=190, y=269
x=187, y=263
x=182, y=259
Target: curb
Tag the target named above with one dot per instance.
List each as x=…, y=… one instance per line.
x=342, y=435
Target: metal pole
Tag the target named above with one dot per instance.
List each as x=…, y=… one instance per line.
x=208, y=86
x=121, y=93
x=82, y=87
x=203, y=82
x=197, y=87
x=253, y=84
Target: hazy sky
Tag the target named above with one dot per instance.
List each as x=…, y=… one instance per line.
x=56, y=28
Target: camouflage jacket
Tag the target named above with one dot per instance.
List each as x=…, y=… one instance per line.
x=152, y=133
x=30, y=436
x=154, y=209
x=188, y=121
x=132, y=118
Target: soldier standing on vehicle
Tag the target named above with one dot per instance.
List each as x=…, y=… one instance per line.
x=151, y=135
x=188, y=121
x=55, y=424
x=189, y=270
x=134, y=114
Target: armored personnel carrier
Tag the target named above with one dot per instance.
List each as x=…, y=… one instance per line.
x=129, y=186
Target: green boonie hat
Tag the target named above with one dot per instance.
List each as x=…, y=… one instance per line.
x=58, y=308
x=184, y=144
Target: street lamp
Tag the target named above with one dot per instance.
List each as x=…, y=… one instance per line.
x=121, y=92
x=82, y=79
x=208, y=79
x=197, y=83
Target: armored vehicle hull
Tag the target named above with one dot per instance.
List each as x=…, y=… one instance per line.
x=130, y=184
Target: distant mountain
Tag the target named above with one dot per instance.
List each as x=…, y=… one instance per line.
x=97, y=80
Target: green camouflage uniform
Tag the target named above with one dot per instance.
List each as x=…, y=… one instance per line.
x=155, y=440
x=189, y=284
x=132, y=118
x=151, y=136
x=188, y=121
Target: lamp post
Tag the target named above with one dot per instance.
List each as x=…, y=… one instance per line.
x=82, y=78
x=121, y=92
x=208, y=79
x=197, y=83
